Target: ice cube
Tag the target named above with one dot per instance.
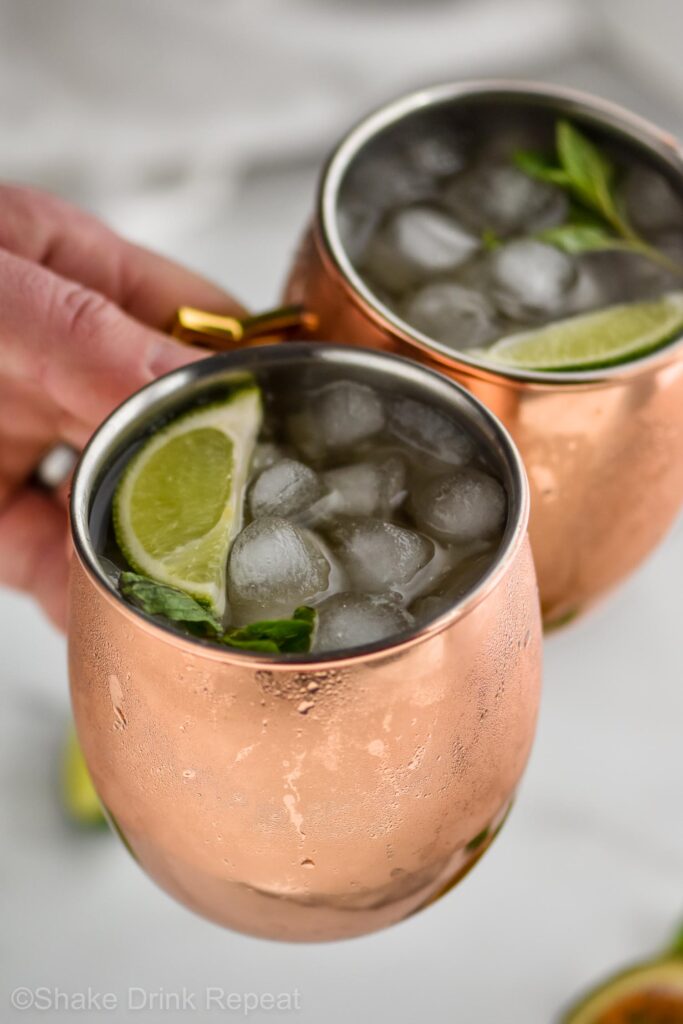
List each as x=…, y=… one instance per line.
x=644, y=279
x=111, y=570
x=532, y=280
x=273, y=567
x=630, y=277
x=284, y=489
x=379, y=555
x=356, y=222
x=340, y=416
x=503, y=199
x=353, y=620
x=384, y=180
x=438, y=150
x=367, y=488
x=464, y=506
x=430, y=431
x=452, y=314
x=652, y=202
x=415, y=243
x=265, y=454
x=467, y=573
x=596, y=283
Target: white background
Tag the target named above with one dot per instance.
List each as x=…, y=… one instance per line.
x=588, y=871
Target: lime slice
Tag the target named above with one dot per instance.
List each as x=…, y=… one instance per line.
x=179, y=504
x=652, y=992
x=609, y=336
x=80, y=798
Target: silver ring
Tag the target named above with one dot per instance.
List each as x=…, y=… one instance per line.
x=55, y=467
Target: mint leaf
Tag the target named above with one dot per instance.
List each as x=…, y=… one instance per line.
x=581, y=214
x=590, y=173
x=158, y=599
x=536, y=165
x=275, y=636
x=272, y=636
x=578, y=238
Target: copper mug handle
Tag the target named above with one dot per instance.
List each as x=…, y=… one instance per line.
x=225, y=333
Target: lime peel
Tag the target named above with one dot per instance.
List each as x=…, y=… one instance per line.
x=650, y=988
x=78, y=793
x=607, y=337
x=179, y=504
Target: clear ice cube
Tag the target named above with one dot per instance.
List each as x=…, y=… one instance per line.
x=266, y=454
x=273, y=567
x=458, y=582
x=438, y=150
x=353, y=620
x=430, y=431
x=285, y=488
x=340, y=416
x=596, y=283
x=378, y=555
x=452, y=314
x=384, y=180
x=532, y=280
x=630, y=277
x=464, y=506
x=503, y=199
x=651, y=201
x=366, y=488
x=356, y=222
x=416, y=243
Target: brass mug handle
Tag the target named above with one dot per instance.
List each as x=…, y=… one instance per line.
x=224, y=333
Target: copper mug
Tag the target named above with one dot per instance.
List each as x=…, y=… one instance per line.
x=603, y=449
x=303, y=797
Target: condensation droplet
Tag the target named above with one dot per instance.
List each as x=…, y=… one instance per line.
x=305, y=706
x=307, y=863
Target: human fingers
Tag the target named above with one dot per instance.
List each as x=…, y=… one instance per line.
x=81, y=350
x=47, y=230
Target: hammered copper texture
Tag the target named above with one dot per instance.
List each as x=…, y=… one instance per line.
x=314, y=802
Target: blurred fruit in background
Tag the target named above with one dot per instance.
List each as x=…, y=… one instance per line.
x=647, y=993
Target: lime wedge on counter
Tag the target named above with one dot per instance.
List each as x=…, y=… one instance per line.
x=80, y=798
x=179, y=504
x=591, y=340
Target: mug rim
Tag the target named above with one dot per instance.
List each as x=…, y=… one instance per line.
x=140, y=410
x=634, y=128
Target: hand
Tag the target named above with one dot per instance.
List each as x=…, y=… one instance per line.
x=81, y=319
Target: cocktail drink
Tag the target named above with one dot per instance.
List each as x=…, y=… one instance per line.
x=304, y=637
x=528, y=241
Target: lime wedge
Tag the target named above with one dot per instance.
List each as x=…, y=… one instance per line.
x=179, y=504
x=609, y=336
x=80, y=798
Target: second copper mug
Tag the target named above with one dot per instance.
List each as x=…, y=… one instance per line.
x=304, y=797
x=603, y=449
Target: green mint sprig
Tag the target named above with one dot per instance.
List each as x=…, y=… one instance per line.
x=597, y=221
x=272, y=636
x=275, y=636
x=159, y=599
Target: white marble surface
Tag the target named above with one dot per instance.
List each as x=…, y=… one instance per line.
x=586, y=874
